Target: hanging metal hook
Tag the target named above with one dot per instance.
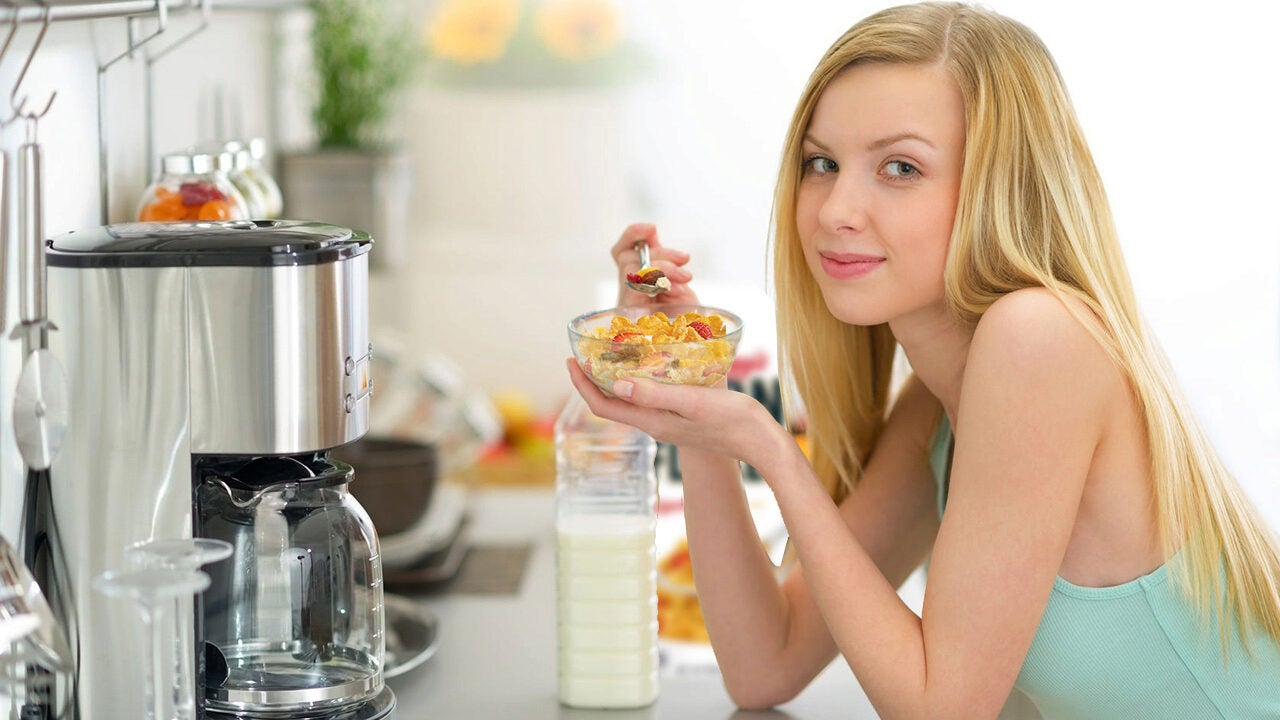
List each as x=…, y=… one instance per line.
x=204, y=24
x=4, y=50
x=16, y=104
x=161, y=12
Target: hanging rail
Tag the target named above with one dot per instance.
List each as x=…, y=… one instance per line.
x=16, y=12
x=61, y=10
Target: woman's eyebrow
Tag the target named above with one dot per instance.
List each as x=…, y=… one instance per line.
x=891, y=139
x=813, y=141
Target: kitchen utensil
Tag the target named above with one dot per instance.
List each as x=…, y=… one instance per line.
x=40, y=409
x=189, y=555
x=39, y=422
x=642, y=247
x=49, y=645
x=154, y=592
x=15, y=627
x=36, y=667
x=40, y=405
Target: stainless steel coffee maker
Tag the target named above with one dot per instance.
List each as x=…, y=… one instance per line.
x=210, y=367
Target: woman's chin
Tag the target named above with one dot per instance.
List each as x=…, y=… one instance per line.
x=856, y=313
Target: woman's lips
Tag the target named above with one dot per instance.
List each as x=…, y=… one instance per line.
x=843, y=266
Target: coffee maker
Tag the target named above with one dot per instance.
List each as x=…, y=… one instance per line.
x=210, y=368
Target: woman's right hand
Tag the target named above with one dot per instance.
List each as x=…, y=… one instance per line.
x=669, y=260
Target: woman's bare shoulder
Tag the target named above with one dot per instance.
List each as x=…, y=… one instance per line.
x=1045, y=338
x=1036, y=319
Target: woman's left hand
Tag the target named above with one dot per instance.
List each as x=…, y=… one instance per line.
x=713, y=419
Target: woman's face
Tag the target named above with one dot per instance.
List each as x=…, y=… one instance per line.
x=878, y=190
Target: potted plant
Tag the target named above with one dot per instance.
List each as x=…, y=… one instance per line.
x=362, y=58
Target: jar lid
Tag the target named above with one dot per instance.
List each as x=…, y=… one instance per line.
x=252, y=243
x=197, y=162
x=240, y=157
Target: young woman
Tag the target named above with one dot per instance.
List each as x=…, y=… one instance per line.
x=936, y=194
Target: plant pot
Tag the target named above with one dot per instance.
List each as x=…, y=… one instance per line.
x=362, y=190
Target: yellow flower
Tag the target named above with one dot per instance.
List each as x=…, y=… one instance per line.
x=578, y=29
x=472, y=31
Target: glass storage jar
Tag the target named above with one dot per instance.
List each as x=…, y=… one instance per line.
x=259, y=172
x=192, y=186
x=251, y=187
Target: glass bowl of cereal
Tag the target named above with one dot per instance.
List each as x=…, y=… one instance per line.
x=673, y=344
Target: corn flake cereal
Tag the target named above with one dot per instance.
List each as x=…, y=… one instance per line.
x=687, y=350
x=679, y=612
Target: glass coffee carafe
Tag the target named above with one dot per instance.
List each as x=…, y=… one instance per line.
x=293, y=621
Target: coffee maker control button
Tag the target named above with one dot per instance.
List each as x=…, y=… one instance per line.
x=350, y=365
x=350, y=402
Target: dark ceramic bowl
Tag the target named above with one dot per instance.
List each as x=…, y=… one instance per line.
x=394, y=480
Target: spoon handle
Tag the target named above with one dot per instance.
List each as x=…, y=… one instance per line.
x=642, y=248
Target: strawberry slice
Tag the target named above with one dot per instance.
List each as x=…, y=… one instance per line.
x=702, y=329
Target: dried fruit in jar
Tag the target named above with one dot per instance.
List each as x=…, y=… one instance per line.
x=167, y=207
x=192, y=201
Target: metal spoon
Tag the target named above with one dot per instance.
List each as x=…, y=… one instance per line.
x=655, y=289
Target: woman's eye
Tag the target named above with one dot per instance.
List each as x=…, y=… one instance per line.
x=819, y=165
x=900, y=169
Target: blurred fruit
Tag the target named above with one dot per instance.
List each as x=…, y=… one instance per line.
x=214, y=210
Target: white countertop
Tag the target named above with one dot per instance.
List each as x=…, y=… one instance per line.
x=497, y=654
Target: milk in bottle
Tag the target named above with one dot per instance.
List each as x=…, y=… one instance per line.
x=606, y=493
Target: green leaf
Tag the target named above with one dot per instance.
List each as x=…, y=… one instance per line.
x=363, y=57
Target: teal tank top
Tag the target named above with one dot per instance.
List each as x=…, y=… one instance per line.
x=1135, y=651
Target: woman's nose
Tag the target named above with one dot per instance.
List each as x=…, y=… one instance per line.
x=844, y=208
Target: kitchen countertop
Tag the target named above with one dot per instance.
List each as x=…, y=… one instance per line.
x=497, y=653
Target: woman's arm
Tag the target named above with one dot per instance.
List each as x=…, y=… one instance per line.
x=770, y=640
x=1030, y=417
x=1035, y=390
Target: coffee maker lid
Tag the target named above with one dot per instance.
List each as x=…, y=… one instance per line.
x=252, y=243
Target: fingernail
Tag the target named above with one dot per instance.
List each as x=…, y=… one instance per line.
x=623, y=388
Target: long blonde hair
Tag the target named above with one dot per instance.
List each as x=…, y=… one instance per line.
x=1031, y=212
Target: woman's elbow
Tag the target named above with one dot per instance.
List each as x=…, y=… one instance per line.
x=757, y=694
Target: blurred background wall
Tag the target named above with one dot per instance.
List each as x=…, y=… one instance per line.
x=518, y=192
